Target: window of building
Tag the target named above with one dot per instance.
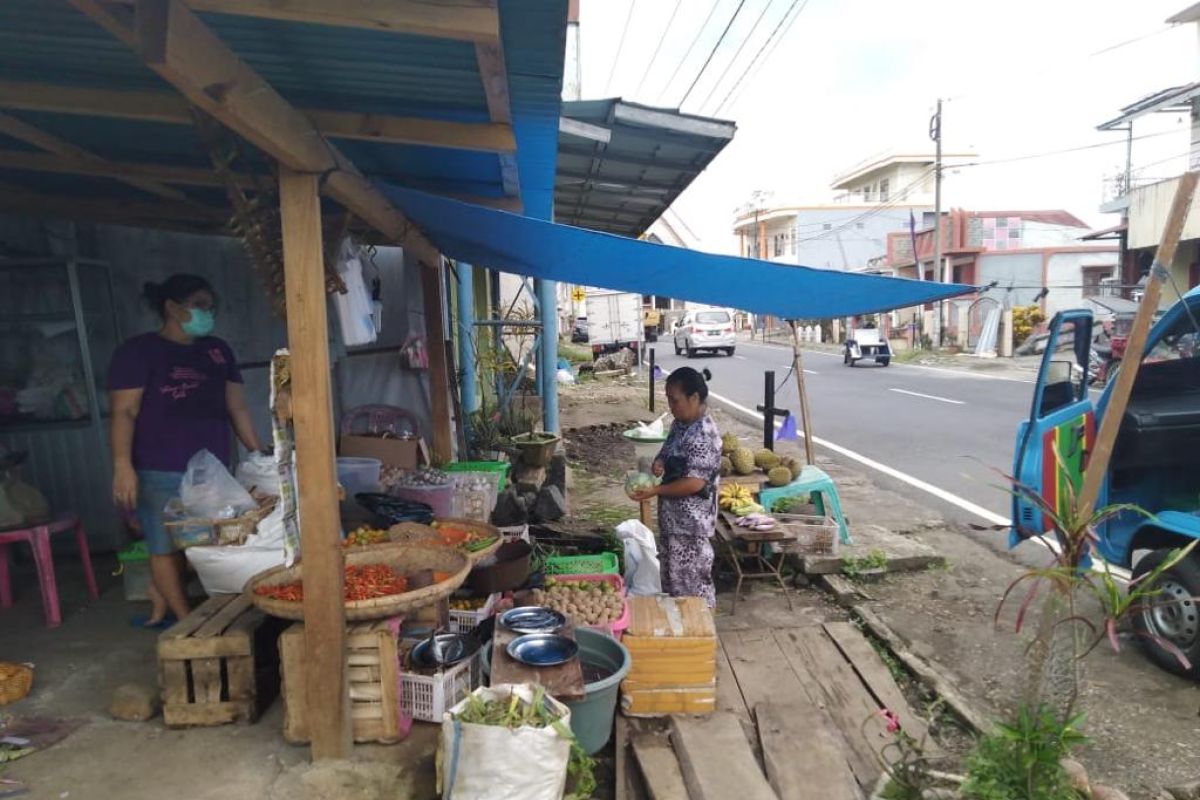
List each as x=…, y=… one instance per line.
x=1092, y=276
x=884, y=190
x=869, y=193
x=827, y=226
x=860, y=225
x=778, y=241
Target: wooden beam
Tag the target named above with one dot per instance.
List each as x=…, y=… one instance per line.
x=170, y=108
x=203, y=68
x=463, y=20
x=439, y=374
x=312, y=413
x=155, y=214
x=494, y=74
x=161, y=173
x=1098, y=461
x=23, y=131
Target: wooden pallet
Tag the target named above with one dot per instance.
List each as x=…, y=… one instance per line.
x=373, y=672
x=211, y=664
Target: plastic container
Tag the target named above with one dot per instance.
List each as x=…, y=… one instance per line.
x=467, y=621
x=592, y=717
x=439, y=498
x=493, y=467
x=428, y=697
x=613, y=629
x=477, y=504
x=644, y=447
x=358, y=474
x=134, y=568
x=599, y=564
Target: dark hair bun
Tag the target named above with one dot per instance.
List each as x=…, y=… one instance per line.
x=707, y=375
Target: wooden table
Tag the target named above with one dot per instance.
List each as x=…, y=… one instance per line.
x=743, y=545
x=563, y=682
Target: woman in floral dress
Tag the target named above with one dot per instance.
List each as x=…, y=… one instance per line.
x=689, y=463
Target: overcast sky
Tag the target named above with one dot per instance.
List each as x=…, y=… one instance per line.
x=849, y=78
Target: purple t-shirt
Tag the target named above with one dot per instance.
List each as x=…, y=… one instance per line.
x=183, y=399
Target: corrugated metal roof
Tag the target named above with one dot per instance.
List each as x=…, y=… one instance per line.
x=1172, y=99
x=623, y=185
x=312, y=66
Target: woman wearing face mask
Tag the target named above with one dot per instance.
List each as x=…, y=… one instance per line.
x=689, y=463
x=174, y=392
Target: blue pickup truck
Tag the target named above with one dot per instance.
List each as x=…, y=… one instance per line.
x=1155, y=463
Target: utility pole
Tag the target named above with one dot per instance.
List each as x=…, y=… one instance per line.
x=935, y=133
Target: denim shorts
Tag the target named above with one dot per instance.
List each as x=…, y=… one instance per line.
x=154, y=490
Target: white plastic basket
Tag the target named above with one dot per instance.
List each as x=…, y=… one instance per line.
x=815, y=536
x=467, y=621
x=515, y=533
x=428, y=697
x=474, y=503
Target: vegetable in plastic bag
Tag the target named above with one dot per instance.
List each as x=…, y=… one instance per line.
x=209, y=491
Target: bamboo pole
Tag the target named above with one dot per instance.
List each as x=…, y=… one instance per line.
x=798, y=368
x=1101, y=455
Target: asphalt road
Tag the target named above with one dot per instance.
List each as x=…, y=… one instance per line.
x=935, y=434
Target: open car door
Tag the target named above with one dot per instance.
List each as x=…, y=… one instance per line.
x=1062, y=418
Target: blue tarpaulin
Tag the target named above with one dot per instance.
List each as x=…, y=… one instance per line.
x=511, y=243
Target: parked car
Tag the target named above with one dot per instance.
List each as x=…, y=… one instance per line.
x=705, y=330
x=1155, y=465
x=579, y=331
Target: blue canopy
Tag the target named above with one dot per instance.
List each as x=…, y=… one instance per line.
x=511, y=243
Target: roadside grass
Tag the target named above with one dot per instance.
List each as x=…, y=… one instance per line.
x=575, y=353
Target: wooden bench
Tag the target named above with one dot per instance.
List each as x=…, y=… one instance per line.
x=218, y=664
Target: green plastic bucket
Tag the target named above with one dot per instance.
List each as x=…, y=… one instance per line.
x=592, y=717
x=500, y=467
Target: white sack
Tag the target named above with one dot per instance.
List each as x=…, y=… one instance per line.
x=642, y=575
x=227, y=569
x=489, y=762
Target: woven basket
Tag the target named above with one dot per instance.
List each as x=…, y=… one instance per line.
x=427, y=536
x=15, y=681
x=195, y=531
x=404, y=559
x=482, y=528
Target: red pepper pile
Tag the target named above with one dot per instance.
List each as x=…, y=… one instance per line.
x=362, y=583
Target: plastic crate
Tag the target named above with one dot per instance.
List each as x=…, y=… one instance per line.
x=467, y=621
x=428, y=697
x=599, y=564
x=494, y=467
x=613, y=629
x=815, y=536
x=472, y=503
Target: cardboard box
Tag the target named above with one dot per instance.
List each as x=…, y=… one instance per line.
x=403, y=453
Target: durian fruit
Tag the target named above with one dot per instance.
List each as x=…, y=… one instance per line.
x=779, y=476
x=729, y=444
x=765, y=459
x=794, y=466
x=743, y=461
x=726, y=466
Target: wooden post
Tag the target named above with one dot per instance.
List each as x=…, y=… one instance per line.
x=798, y=368
x=439, y=376
x=1101, y=455
x=327, y=696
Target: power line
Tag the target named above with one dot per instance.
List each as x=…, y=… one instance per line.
x=620, y=47
x=873, y=211
x=657, y=49
x=767, y=46
x=741, y=46
x=691, y=46
x=712, y=52
x=1064, y=151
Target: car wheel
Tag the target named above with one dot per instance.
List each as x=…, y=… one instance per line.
x=1172, y=614
x=884, y=362
x=691, y=352
x=678, y=351
x=729, y=351
x=846, y=358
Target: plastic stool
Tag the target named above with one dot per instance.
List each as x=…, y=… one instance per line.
x=815, y=482
x=39, y=540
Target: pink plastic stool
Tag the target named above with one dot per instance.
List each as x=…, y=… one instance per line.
x=39, y=540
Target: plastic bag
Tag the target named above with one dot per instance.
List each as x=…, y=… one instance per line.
x=209, y=491
x=259, y=472
x=226, y=570
x=652, y=431
x=492, y=762
x=354, y=306
x=642, y=575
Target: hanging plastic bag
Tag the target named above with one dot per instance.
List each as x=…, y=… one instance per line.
x=355, y=309
x=209, y=491
x=642, y=576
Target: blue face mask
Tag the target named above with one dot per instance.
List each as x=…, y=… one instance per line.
x=200, y=323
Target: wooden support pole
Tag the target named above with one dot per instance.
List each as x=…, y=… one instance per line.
x=798, y=368
x=312, y=411
x=439, y=375
x=1101, y=455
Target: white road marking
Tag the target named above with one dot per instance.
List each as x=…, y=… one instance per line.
x=966, y=505
x=807, y=371
x=741, y=358
x=929, y=396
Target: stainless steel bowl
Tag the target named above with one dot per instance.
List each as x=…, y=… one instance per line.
x=532, y=619
x=443, y=650
x=543, y=649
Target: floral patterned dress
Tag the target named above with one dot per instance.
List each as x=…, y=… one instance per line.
x=685, y=524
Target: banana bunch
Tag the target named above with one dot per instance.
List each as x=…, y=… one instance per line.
x=737, y=498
